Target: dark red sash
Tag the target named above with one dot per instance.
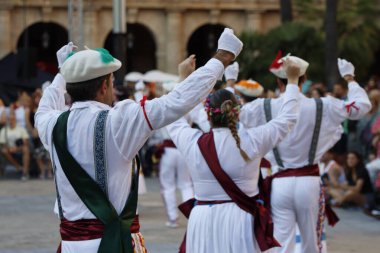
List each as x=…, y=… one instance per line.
x=87, y=229
x=263, y=225
x=265, y=163
x=307, y=171
x=161, y=148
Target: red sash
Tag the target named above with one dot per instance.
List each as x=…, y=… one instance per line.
x=307, y=171
x=161, y=148
x=263, y=225
x=87, y=229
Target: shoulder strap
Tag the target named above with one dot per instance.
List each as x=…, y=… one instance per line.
x=117, y=236
x=100, y=151
x=268, y=117
x=317, y=129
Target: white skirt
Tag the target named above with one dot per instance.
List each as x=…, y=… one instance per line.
x=220, y=228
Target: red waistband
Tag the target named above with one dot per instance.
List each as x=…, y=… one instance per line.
x=88, y=229
x=309, y=170
x=168, y=144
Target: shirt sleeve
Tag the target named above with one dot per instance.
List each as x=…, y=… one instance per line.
x=356, y=106
x=132, y=123
x=183, y=136
x=264, y=138
x=186, y=95
x=252, y=113
x=50, y=107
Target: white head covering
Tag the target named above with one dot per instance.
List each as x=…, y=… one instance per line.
x=277, y=65
x=249, y=88
x=139, y=85
x=89, y=64
x=169, y=86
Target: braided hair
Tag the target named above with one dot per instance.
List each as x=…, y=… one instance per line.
x=223, y=110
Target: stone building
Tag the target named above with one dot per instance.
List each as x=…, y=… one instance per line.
x=159, y=32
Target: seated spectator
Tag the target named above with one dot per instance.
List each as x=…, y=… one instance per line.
x=358, y=188
x=40, y=154
x=331, y=172
x=14, y=143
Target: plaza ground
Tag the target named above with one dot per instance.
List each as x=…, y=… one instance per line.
x=28, y=224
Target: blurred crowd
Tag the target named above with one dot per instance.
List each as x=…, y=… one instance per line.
x=352, y=166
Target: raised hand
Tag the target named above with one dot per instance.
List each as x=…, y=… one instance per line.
x=292, y=71
x=229, y=42
x=346, y=68
x=64, y=52
x=186, y=67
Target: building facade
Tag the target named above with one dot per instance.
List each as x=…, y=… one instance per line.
x=160, y=33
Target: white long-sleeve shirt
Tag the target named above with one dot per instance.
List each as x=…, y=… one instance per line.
x=256, y=142
x=126, y=131
x=294, y=149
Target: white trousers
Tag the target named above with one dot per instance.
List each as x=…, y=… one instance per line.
x=174, y=173
x=295, y=200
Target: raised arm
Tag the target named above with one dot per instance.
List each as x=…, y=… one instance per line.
x=52, y=102
x=194, y=89
x=357, y=104
x=266, y=137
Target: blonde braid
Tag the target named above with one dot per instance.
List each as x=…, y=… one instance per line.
x=226, y=108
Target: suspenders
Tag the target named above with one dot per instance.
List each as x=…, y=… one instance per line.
x=317, y=129
x=268, y=117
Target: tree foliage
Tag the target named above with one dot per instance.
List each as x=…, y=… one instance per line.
x=295, y=38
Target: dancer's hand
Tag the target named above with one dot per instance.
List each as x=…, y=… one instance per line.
x=229, y=42
x=186, y=67
x=64, y=52
x=292, y=71
x=346, y=69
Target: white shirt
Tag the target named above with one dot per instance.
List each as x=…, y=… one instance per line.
x=199, y=116
x=256, y=142
x=294, y=149
x=9, y=135
x=126, y=131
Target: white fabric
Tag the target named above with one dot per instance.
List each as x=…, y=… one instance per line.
x=86, y=65
x=91, y=246
x=334, y=113
x=232, y=72
x=345, y=67
x=199, y=116
x=139, y=86
x=174, y=174
x=373, y=168
x=133, y=77
x=299, y=241
x=281, y=71
x=64, y=52
x=9, y=135
x=138, y=96
x=294, y=199
x=126, y=132
x=227, y=225
x=229, y=42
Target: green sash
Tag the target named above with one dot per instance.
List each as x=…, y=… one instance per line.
x=117, y=236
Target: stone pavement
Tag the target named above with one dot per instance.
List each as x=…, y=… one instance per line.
x=28, y=224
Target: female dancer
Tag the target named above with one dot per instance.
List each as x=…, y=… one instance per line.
x=224, y=165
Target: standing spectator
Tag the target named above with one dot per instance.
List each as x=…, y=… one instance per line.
x=14, y=142
x=358, y=188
